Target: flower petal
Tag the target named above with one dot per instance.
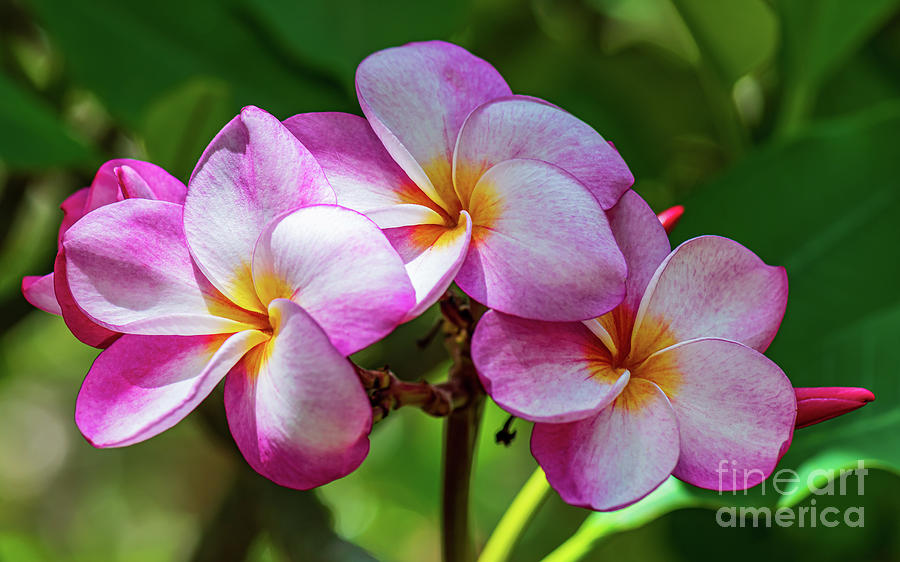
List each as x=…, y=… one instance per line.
x=541, y=246
x=416, y=98
x=643, y=242
x=710, y=287
x=80, y=324
x=544, y=371
x=432, y=255
x=39, y=292
x=295, y=405
x=105, y=188
x=521, y=127
x=735, y=410
x=361, y=172
x=143, y=385
x=73, y=208
x=615, y=458
x=253, y=171
x=128, y=267
x=338, y=266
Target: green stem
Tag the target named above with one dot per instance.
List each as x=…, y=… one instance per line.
x=671, y=495
x=519, y=514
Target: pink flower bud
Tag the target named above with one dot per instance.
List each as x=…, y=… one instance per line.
x=818, y=404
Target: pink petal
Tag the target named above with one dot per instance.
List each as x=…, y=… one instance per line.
x=818, y=404
x=735, y=410
x=521, y=127
x=338, y=266
x=73, y=208
x=544, y=371
x=39, y=292
x=253, y=171
x=143, y=385
x=364, y=176
x=711, y=287
x=643, y=242
x=416, y=98
x=105, y=188
x=152, y=181
x=295, y=406
x=541, y=246
x=615, y=458
x=433, y=255
x=80, y=324
x=129, y=269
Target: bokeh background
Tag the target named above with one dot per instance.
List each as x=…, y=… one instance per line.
x=775, y=123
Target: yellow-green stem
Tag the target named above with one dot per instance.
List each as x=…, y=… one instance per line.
x=517, y=517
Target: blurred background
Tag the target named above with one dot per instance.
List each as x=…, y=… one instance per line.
x=774, y=123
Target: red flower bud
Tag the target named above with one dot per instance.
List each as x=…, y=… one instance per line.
x=818, y=404
x=670, y=217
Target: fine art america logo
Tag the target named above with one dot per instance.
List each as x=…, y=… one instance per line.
x=786, y=482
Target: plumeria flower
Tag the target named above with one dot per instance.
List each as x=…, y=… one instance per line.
x=503, y=194
x=258, y=279
x=115, y=180
x=672, y=381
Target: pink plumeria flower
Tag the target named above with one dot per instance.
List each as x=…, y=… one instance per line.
x=115, y=180
x=500, y=193
x=258, y=279
x=673, y=381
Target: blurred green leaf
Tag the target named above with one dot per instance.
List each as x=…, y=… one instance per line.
x=131, y=53
x=16, y=547
x=825, y=205
x=817, y=35
x=33, y=136
x=178, y=125
x=734, y=37
x=338, y=34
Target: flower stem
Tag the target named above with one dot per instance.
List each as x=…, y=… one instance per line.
x=460, y=429
x=460, y=433
x=519, y=514
x=671, y=495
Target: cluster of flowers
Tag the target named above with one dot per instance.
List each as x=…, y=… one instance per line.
x=298, y=243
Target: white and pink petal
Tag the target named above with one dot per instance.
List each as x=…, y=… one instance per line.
x=544, y=371
x=432, y=255
x=541, y=246
x=253, y=171
x=611, y=460
x=143, y=385
x=523, y=127
x=128, y=268
x=295, y=405
x=338, y=266
x=710, y=286
x=416, y=98
x=735, y=410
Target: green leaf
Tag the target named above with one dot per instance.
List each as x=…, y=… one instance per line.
x=338, y=34
x=825, y=205
x=178, y=126
x=33, y=136
x=817, y=36
x=735, y=37
x=131, y=53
